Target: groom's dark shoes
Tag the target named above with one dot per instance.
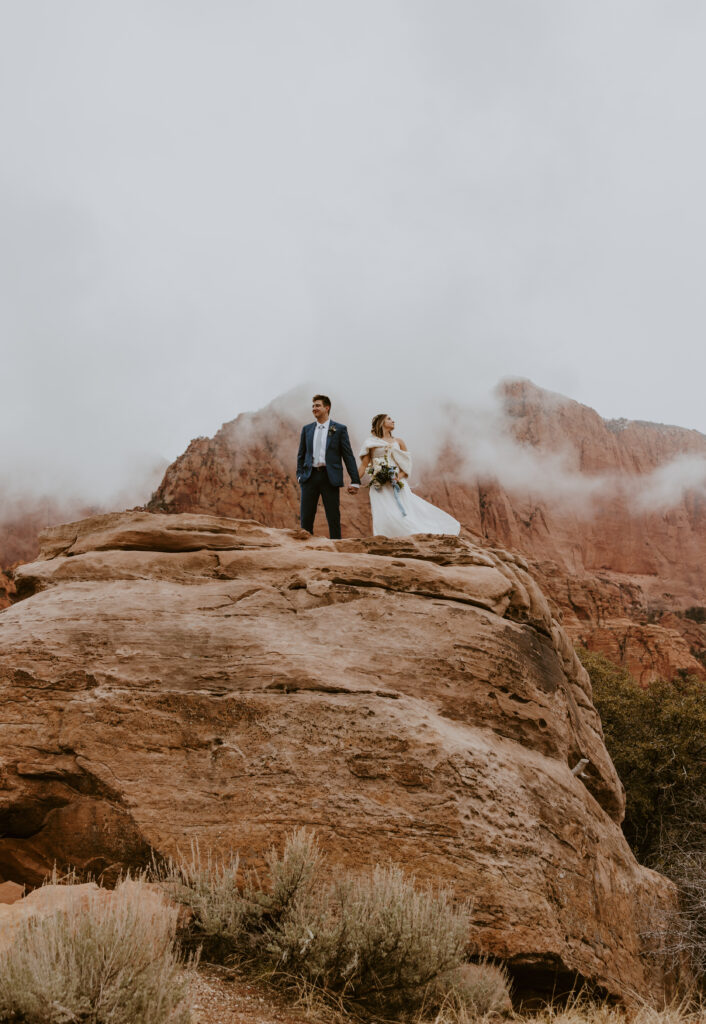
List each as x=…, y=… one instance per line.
x=330, y=449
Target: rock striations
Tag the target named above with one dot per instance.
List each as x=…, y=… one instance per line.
x=612, y=567
x=169, y=678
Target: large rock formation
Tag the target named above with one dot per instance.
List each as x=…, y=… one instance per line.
x=171, y=678
x=627, y=567
x=609, y=613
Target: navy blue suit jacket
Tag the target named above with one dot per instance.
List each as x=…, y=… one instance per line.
x=338, y=451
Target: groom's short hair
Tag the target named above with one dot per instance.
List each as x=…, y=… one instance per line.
x=322, y=398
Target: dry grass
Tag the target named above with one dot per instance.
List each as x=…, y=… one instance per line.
x=236, y=999
x=582, y=1012
x=686, y=938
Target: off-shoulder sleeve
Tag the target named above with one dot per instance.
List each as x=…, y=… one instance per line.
x=403, y=459
x=370, y=442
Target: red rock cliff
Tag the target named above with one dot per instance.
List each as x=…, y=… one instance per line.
x=614, y=571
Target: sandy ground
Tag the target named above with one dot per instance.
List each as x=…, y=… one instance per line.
x=220, y=997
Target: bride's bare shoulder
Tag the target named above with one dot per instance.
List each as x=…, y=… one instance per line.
x=401, y=443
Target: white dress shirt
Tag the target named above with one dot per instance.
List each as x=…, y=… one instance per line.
x=320, y=439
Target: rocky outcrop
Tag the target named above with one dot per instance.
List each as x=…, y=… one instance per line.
x=171, y=678
x=598, y=544
x=609, y=613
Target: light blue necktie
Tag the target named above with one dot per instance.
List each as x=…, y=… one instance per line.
x=319, y=453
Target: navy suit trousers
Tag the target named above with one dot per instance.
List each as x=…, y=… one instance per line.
x=316, y=486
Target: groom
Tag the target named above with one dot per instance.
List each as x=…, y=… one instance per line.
x=319, y=469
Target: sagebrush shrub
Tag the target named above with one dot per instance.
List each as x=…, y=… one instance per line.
x=293, y=873
x=373, y=938
x=231, y=908
x=209, y=887
x=112, y=961
x=368, y=938
x=470, y=992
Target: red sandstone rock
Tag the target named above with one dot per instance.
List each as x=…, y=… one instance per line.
x=609, y=613
x=11, y=892
x=657, y=559
x=7, y=590
x=170, y=678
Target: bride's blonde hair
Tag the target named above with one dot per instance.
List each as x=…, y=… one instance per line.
x=378, y=421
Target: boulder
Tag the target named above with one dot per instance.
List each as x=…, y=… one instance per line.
x=11, y=892
x=171, y=678
x=79, y=898
x=47, y=900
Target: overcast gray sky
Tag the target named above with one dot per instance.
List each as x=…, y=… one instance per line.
x=204, y=203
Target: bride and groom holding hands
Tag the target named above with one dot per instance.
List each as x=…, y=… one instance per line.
x=324, y=448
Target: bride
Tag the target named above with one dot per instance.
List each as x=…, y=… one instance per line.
x=397, y=512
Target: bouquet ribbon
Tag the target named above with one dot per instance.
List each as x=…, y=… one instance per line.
x=396, y=491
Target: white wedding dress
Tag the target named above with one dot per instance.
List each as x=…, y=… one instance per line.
x=388, y=520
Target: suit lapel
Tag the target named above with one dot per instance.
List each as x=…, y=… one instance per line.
x=310, y=438
x=330, y=437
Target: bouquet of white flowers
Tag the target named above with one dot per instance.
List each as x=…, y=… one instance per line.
x=383, y=470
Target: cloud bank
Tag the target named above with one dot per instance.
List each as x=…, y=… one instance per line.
x=480, y=432
x=201, y=205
